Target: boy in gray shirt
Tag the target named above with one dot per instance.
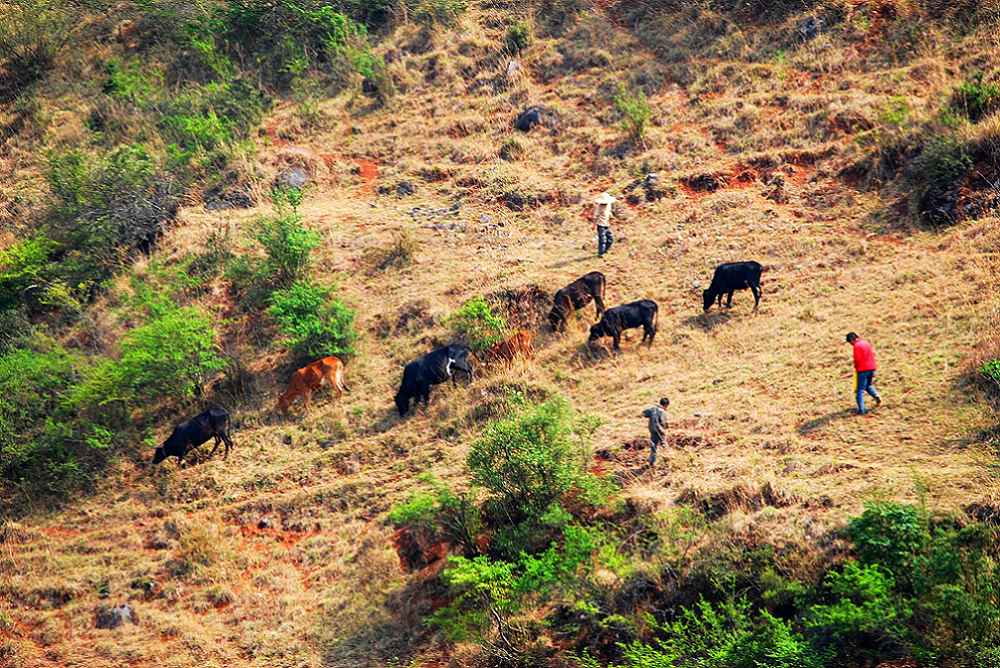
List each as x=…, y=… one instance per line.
x=657, y=427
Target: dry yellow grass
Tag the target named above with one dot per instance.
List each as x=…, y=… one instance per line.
x=756, y=399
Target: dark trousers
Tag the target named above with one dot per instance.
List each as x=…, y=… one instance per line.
x=604, y=240
x=655, y=440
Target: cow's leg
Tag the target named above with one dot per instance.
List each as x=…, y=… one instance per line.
x=719, y=299
x=599, y=306
x=729, y=299
x=218, y=440
x=756, y=296
x=650, y=331
x=616, y=340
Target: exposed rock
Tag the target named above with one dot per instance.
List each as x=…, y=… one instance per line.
x=111, y=617
x=810, y=28
x=534, y=116
x=292, y=177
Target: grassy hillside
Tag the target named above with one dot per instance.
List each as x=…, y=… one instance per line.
x=859, y=164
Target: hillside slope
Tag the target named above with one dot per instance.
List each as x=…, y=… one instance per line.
x=762, y=143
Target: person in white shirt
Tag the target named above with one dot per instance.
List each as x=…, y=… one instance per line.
x=602, y=220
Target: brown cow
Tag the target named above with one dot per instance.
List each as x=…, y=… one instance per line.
x=518, y=344
x=310, y=378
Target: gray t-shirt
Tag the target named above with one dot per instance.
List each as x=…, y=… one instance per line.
x=657, y=420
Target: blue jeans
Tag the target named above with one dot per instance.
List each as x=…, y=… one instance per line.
x=865, y=383
x=604, y=240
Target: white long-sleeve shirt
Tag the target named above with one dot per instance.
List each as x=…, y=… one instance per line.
x=602, y=215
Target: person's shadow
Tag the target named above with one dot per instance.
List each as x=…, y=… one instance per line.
x=816, y=424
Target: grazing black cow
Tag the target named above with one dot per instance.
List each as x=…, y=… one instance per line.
x=576, y=295
x=627, y=316
x=189, y=434
x=734, y=276
x=433, y=368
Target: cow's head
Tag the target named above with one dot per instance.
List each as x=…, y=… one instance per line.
x=556, y=318
x=708, y=297
x=159, y=455
x=402, y=403
x=597, y=331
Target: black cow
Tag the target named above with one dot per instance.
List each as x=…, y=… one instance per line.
x=731, y=277
x=627, y=316
x=191, y=433
x=576, y=295
x=433, y=368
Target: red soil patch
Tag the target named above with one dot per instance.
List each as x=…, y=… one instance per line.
x=60, y=532
x=418, y=550
x=328, y=159
x=367, y=169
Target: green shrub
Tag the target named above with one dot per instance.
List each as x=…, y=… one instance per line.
x=991, y=370
x=314, y=324
x=890, y=534
x=23, y=271
x=635, y=113
x=724, y=635
x=476, y=323
x=528, y=461
x=863, y=613
x=129, y=82
x=288, y=244
x=31, y=386
x=486, y=593
x=937, y=172
x=109, y=206
x=518, y=37
x=453, y=514
x=975, y=99
x=169, y=357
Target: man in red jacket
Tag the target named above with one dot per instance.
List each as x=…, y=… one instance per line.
x=864, y=368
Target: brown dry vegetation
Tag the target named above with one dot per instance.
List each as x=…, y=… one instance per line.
x=761, y=432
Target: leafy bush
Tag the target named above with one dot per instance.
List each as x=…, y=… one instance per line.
x=31, y=386
x=441, y=509
x=486, y=593
x=724, y=635
x=889, y=534
x=288, y=244
x=938, y=171
x=110, y=206
x=170, y=358
x=23, y=268
x=975, y=99
x=518, y=37
x=526, y=462
x=635, y=113
x=991, y=369
x=863, y=616
x=128, y=81
x=314, y=324
x=476, y=323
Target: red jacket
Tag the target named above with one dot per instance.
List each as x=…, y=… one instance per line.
x=864, y=356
